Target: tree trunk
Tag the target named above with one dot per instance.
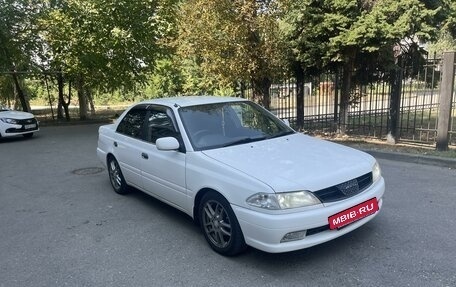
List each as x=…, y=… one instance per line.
x=90, y=99
x=345, y=96
x=261, y=91
x=59, y=109
x=299, y=74
x=242, y=89
x=61, y=100
x=49, y=96
x=82, y=100
x=21, y=94
x=395, y=103
x=67, y=104
x=62, y=103
x=336, y=98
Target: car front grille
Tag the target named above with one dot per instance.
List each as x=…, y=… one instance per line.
x=346, y=189
x=26, y=121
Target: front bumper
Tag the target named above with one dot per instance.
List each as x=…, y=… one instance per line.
x=9, y=130
x=265, y=231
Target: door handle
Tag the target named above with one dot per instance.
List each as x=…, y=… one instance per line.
x=144, y=155
x=115, y=144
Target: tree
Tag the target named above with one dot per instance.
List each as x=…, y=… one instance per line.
x=446, y=38
x=449, y=17
x=166, y=80
x=232, y=41
x=105, y=44
x=347, y=34
x=19, y=42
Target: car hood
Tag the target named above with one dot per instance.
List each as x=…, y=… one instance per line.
x=16, y=115
x=295, y=162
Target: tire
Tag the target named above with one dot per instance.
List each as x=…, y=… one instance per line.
x=27, y=136
x=116, y=177
x=220, y=225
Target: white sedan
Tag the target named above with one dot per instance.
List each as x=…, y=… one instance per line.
x=14, y=123
x=242, y=174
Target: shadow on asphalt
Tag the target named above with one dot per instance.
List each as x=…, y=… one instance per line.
x=178, y=217
x=342, y=246
x=15, y=139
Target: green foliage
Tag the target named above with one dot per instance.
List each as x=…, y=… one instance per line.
x=111, y=44
x=449, y=8
x=19, y=41
x=357, y=36
x=230, y=40
x=6, y=90
x=444, y=43
x=166, y=80
x=126, y=50
x=446, y=40
x=19, y=45
x=327, y=32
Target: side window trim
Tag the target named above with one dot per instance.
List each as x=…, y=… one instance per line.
x=168, y=111
x=171, y=116
x=163, y=113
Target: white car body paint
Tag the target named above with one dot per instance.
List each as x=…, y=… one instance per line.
x=13, y=129
x=288, y=163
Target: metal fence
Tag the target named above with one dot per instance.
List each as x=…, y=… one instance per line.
x=369, y=111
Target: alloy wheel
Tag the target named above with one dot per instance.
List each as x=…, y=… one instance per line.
x=114, y=174
x=216, y=224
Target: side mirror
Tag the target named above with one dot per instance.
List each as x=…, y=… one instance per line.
x=287, y=122
x=167, y=144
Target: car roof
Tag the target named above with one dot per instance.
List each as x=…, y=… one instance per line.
x=185, y=101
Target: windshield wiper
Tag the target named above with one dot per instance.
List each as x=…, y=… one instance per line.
x=244, y=140
x=285, y=133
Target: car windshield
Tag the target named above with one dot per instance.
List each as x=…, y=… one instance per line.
x=232, y=123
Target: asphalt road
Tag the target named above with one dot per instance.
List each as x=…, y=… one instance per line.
x=64, y=227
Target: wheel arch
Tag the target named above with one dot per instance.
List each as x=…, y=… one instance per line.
x=197, y=201
x=109, y=155
x=236, y=243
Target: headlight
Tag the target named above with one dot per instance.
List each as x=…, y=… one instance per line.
x=376, y=172
x=9, y=121
x=287, y=200
x=296, y=199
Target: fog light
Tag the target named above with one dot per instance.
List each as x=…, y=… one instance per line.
x=293, y=236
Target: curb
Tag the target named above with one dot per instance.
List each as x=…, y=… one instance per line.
x=414, y=158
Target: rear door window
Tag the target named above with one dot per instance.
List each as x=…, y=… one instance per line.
x=132, y=124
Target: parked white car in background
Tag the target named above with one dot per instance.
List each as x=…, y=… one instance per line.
x=244, y=175
x=14, y=123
